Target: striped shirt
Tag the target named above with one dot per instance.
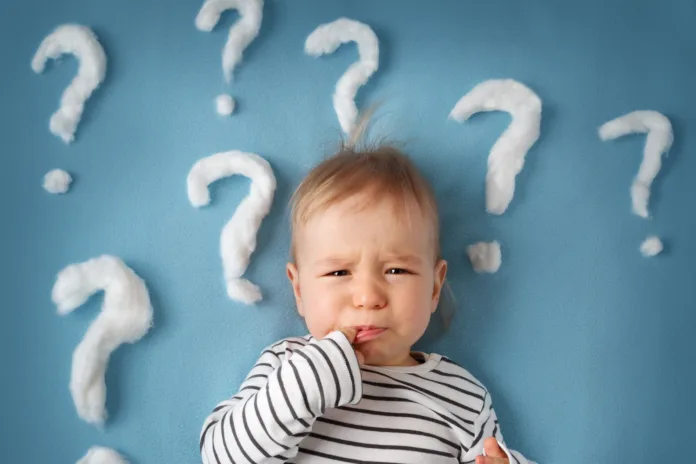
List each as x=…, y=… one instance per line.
x=309, y=401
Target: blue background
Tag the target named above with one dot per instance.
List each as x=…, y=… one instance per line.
x=587, y=347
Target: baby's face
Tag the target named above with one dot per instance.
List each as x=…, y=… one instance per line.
x=368, y=268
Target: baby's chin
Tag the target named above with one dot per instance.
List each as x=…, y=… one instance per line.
x=379, y=353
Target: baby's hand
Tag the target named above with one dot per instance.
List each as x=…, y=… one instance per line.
x=494, y=454
x=350, y=334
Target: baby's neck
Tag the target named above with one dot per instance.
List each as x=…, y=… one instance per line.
x=407, y=361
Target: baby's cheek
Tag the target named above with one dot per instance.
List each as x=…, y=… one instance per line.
x=416, y=319
x=321, y=317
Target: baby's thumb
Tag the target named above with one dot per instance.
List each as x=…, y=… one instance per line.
x=493, y=450
x=349, y=332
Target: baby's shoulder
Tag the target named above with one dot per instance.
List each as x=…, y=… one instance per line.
x=449, y=372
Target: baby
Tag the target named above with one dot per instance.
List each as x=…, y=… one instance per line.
x=367, y=275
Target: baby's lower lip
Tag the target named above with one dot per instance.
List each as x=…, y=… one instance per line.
x=365, y=335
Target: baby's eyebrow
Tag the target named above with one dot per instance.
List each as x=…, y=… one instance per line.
x=338, y=261
x=332, y=261
x=409, y=259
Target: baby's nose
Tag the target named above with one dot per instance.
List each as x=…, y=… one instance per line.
x=369, y=295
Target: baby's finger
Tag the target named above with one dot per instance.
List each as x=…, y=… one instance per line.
x=492, y=448
x=490, y=460
x=349, y=332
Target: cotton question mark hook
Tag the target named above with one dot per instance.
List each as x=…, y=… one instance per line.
x=325, y=40
x=125, y=317
x=506, y=158
x=79, y=41
x=241, y=35
x=238, y=238
x=658, y=142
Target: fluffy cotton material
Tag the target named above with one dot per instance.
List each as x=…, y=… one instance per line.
x=657, y=143
x=325, y=40
x=238, y=238
x=101, y=455
x=224, y=104
x=125, y=317
x=652, y=246
x=242, y=33
x=485, y=256
x=57, y=181
x=81, y=42
x=506, y=158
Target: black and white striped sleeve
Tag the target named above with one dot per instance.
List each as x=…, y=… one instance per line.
x=486, y=425
x=280, y=400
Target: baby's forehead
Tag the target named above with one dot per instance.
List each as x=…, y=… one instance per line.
x=360, y=222
x=388, y=209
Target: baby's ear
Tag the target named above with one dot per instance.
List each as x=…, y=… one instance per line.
x=294, y=277
x=440, y=276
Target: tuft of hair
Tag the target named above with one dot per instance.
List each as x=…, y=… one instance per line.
x=379, y=169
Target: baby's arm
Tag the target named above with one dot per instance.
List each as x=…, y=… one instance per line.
x=279, y=401
x=486, y=426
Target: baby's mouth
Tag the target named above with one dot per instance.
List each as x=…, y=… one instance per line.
x=367, y=333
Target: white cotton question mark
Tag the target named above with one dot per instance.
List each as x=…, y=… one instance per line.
x=658, y=142
x=238, y=238
x=325, y=40
x=506, y=157
x=125, y=317
x=241, y=35
x=79, y=41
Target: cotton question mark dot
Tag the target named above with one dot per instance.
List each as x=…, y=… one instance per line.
x=224, y=105
x=57, y=181
x=125, y=317
x=238, y=238
x=485, y=256
x=241, y=35
x=658, y=142
x=507, y=155
x=325, y=40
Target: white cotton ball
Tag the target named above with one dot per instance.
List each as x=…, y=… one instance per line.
x=651, y=246
x=485, y=256
x=57, y=181
x=101, y=455
x=224, y=105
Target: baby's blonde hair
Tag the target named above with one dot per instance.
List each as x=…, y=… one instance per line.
x=382, y=171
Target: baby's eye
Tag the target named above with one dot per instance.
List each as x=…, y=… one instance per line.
x=340, y=273
x=396, y=271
